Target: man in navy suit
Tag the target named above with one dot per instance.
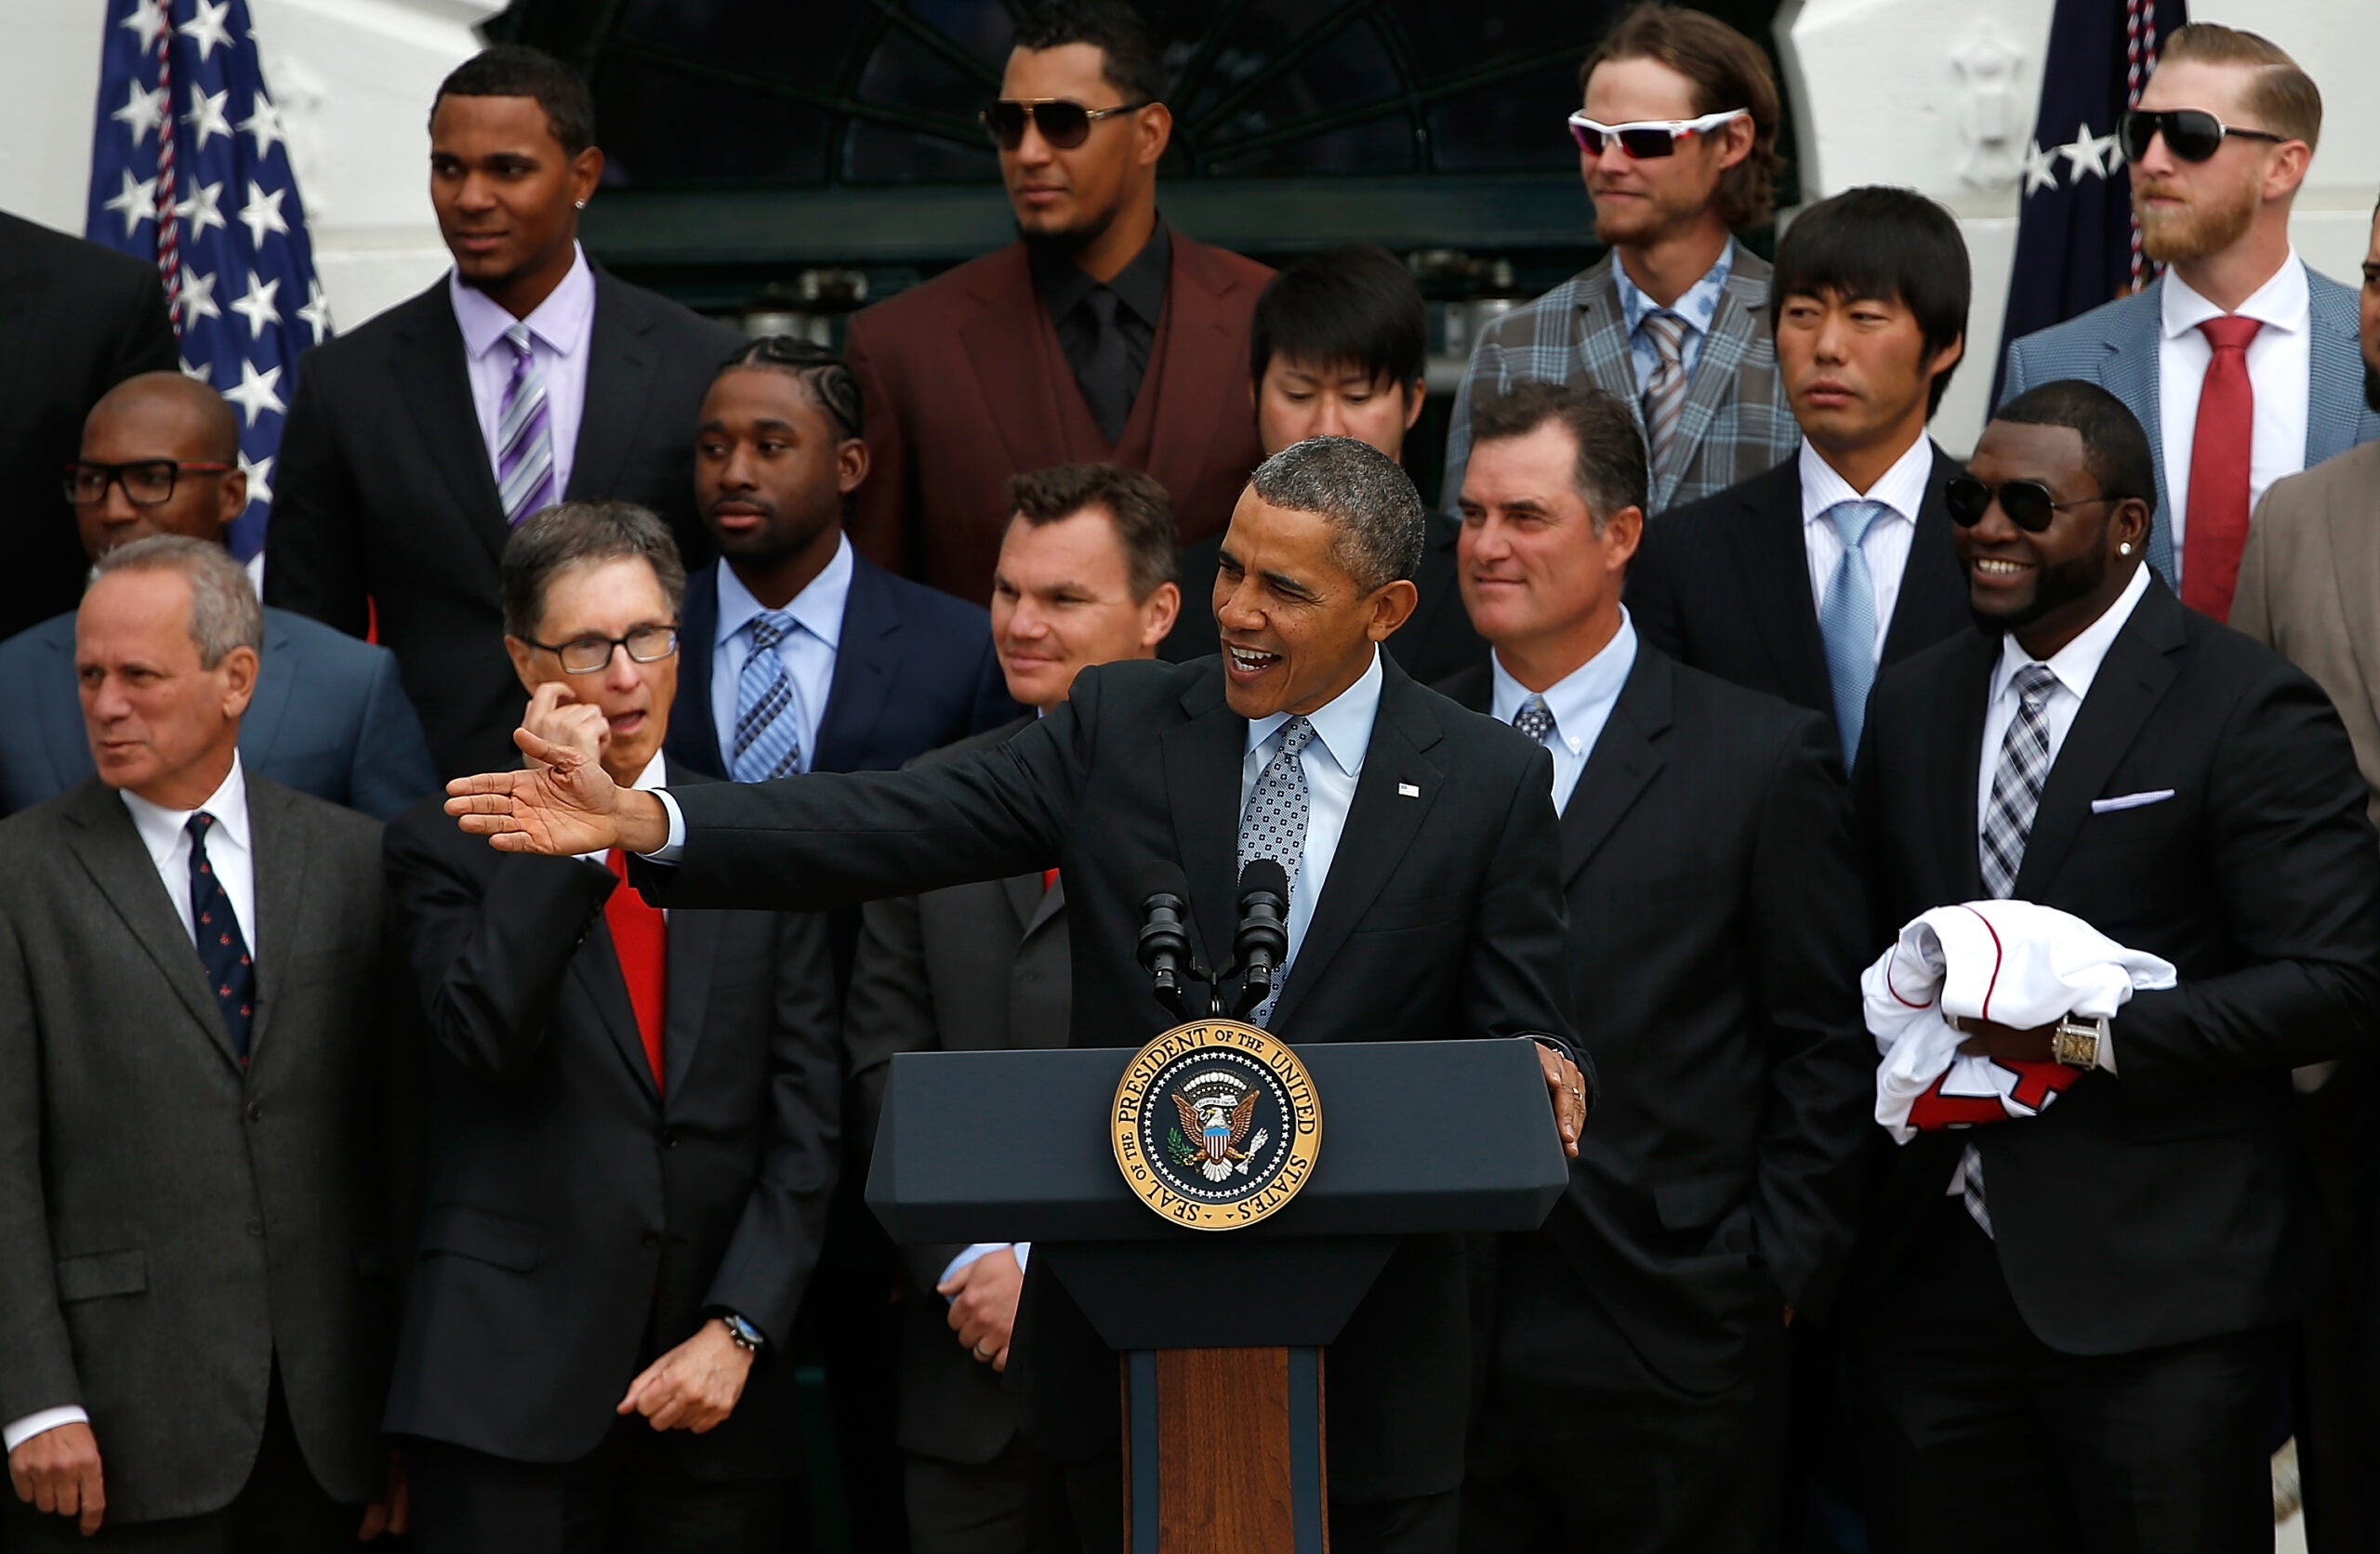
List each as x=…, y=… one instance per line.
x=160, y=456
x=2240, y=362
x=864, y=670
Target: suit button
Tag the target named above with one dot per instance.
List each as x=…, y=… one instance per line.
x=668, y=1137
x=256, y=1228
x=652, y=1238
x=255, y=1110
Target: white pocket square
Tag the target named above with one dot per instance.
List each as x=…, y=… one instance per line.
x=2130, y=801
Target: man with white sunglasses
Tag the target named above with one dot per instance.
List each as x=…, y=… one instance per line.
x=1677, y=145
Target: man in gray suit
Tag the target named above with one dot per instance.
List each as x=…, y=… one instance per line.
x=193, y=1266
x=1084, y=577
x=1677, y=143
x=160, y=456
x=2240, y=361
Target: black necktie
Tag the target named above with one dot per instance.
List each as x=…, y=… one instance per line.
x=221, y=947
x=1106, y=375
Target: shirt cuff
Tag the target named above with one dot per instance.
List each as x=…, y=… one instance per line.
x=49, y=1419
x=1023, y=1250
x=675, y=848
x=2107, y=1048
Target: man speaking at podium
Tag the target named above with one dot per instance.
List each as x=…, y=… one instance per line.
x=1424, y=902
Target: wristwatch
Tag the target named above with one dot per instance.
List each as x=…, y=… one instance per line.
x=747, y=1337
x=2075, y=1042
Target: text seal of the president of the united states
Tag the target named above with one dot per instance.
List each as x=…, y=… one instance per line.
x=1216, y=1124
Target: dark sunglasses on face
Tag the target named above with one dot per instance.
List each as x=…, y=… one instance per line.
x=1648, y=137
x=2028, y=503
x=2193, y=134
x=146, y=481
x=1063, y=124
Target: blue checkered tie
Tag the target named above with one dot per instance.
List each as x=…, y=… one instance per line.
x=222, y=949
x=1847, y=622
x=767, y=741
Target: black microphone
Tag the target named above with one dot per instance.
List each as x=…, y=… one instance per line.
x=1164, y=947
x=1262, y=942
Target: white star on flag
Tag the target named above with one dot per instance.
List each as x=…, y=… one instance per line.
x=256, y=305
x=200, y=210
x=2041, y=167
x=2086, y=150
x=258, y=472
x=197, y=374
x=137, y=204
x=143, y=111
x=255, y=393
x=206, y=112
x=264, y=122
x=148, y=20
x=263, y=212
x=207, y=30
x=317, y=311
x=197, y=299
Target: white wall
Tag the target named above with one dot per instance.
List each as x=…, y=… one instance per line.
x=353, y=79
x=1939, y=95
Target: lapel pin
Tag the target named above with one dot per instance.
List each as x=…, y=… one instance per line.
x=1407, y=790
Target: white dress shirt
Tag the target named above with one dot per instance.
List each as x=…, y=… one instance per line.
x=655, y=777
x=1902, y=491
x=1332, y=759
x=2280, y=369
x=808, y=649
x=230, y=852
x=1581, y=702
x=558, y=330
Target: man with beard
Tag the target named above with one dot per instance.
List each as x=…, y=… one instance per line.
x=2239, y=360
x=1101, y=335
x=1677, y=143
x=2067, y=1331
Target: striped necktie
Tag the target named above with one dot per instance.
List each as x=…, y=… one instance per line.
x=1665, y=396
x=768, y=743
x=524, y=437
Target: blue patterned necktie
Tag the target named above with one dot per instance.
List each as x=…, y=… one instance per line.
x=767, y=743
x=1847, y=622
x=1274, y=824
x=222, y=949
x=524, y=438
x=1534, y=720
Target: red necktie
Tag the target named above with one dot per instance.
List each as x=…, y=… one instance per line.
x=640, y=937
x=2217, y=526
x=1049, y=878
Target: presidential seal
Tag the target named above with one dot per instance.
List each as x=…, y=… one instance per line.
x=1216, y=1124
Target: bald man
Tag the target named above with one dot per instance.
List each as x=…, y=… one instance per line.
x=161, y=455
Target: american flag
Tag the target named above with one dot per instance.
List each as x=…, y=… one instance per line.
x=190, y=167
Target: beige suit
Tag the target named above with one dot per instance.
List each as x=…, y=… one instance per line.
x=2310, y=588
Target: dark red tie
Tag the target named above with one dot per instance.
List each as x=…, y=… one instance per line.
x=1049, y=878
x=2217, y=529
x=640, y=937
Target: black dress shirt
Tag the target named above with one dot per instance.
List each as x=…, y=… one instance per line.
x=1139, y=289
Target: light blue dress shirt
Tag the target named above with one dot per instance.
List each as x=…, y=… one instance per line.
x=558, y=330
x=808, y=649
x=1332, y=759
x=1580, y=701
x=1697, y=308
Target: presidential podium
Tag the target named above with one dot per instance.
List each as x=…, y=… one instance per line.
x=1220, y=1330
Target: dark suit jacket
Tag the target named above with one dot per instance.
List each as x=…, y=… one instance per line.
x=1716, y=933
x=1441, y=917
x=174, y=1227
x=577, y=1223
x=76, y=319
x=914, y=670
x=1723, y=586
x=329, y=718
x=965, y=969
x=2161, y=1204
x=385, y=500
x=966, y=386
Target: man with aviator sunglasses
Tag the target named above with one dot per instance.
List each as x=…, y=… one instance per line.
x=1101, y=335
x=2239, y=360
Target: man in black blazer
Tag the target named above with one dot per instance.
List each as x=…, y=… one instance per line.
x=1801, y=581
x=76, y=319
x=1084, y=577
x=401, y=473
x=630, y=1131
x=1430, y=906
x=2068, y=1332
x=1716, y=924
x=329, y=716
x=193, y=1156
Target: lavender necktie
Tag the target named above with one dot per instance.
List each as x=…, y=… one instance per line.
x=524, y=438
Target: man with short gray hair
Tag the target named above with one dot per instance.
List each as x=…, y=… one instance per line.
x=193, y=1267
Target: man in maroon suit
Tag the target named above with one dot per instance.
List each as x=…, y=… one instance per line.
x=1101, y=335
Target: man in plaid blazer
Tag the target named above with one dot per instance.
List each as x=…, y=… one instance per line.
x=1675, y=320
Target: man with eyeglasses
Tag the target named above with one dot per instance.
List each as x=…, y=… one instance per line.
x=631, y=1128
x=1101, y=335
x=2069, y=1330
x=1677, y=143
x=160, y=456
x=2239, y=360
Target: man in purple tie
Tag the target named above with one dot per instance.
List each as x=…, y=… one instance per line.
x=525, y=376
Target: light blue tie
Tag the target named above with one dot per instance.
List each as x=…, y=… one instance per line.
x=767, y=741
x=1847, y=622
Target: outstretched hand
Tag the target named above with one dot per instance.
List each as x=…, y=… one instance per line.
x=563, y=804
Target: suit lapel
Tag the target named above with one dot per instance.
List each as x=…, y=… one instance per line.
x=1603, y=342
x=1724, y=345
x=2335, y=397
x=1003, y=340
x=1776, y=568
x=1623, y=763
x=1382, y=823
x=2131, y=376
x=262, y=723
x=1933, y=589
x=1046, y=904
x=2352, y=543
x=862, y=681
x=1025, y=896
x=1205, y=359
x=693, y=952
x=596, y=968
x=434, y=381
x=1955, y=745
x=1203, y=754
x=693, y=734
x=109, y=847
x=621, y=365
x=279, y=885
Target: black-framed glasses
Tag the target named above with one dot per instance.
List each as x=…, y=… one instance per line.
x=2028, y=504
x=146, y=481
x=1062, y=121
x=592, y=655
x=1645, y=137
x=2193, y=134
